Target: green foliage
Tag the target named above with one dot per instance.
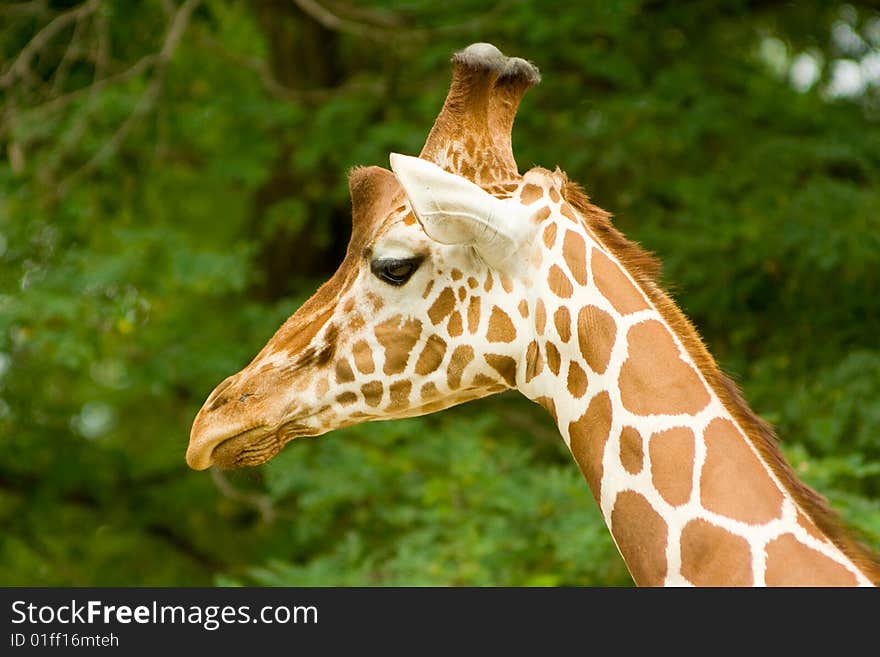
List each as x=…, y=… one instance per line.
x=470, y=505
x=165, y=204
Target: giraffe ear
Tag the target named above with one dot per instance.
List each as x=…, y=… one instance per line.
x=453, y=210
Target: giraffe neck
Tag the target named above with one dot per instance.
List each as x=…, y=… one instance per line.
x=687, y=494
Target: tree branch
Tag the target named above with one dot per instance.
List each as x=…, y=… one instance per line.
x=331, y=21
x=60, y=102
x=394, y=31
x=146, y=102
x=28, y=8
x=262, y=503
x=273, y=86
x=20, y=66
x=70, y=54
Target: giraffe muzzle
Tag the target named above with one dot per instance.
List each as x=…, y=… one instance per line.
x=257, y=446
x=249, y=448
x=216, y=443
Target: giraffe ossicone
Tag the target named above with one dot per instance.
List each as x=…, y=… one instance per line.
x=464, y=278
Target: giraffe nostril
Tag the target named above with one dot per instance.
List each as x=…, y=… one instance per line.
x=217, y=398
x=219, y=401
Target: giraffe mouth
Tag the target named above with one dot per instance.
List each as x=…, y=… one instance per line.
x=258, y=445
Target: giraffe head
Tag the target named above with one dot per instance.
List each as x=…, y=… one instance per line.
x=430, y=306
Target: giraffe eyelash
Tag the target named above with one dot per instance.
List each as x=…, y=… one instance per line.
x=395, y=271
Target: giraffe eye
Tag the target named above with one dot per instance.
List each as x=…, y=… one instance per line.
x=395, y=271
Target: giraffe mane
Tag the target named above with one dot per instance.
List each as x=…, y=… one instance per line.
x=645, y=268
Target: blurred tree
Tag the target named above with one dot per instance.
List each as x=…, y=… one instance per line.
x=172, y=186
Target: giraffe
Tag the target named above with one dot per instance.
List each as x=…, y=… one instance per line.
x=464, y=278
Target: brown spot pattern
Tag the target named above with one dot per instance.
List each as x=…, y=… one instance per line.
x=615, y=285
x=343, y=372
x=574, y=251
x=501, y=329
x=363, y=357
x=562, y=320
x=322, y=386
x=577, y=380
x=734, y=483
x=535, y=260
x=534, y=361
x=375, y=300
x=346, y=398
x=473, y=314
x=482, y=381
x=431, y=356
x=587, y=437
x=372, y=393
x=540, y=317
x=550, y=235
x=654, y=379
x=399, y=394
x=554, y=360
x=632, y=455
x=505, y=366
x=461, y=356
x=640, y=533
x=672, y=459
x=597, y=333
x=355, y=322
x=398, y=337
x=568, y=212
x=442, y=306
x=530, y=194
x=809, y=526
x=559, y=283
x=791, y=563
x=429, y=390
x=712, y=556
x=455, y=326
x=541, y=215
x=523, y=308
